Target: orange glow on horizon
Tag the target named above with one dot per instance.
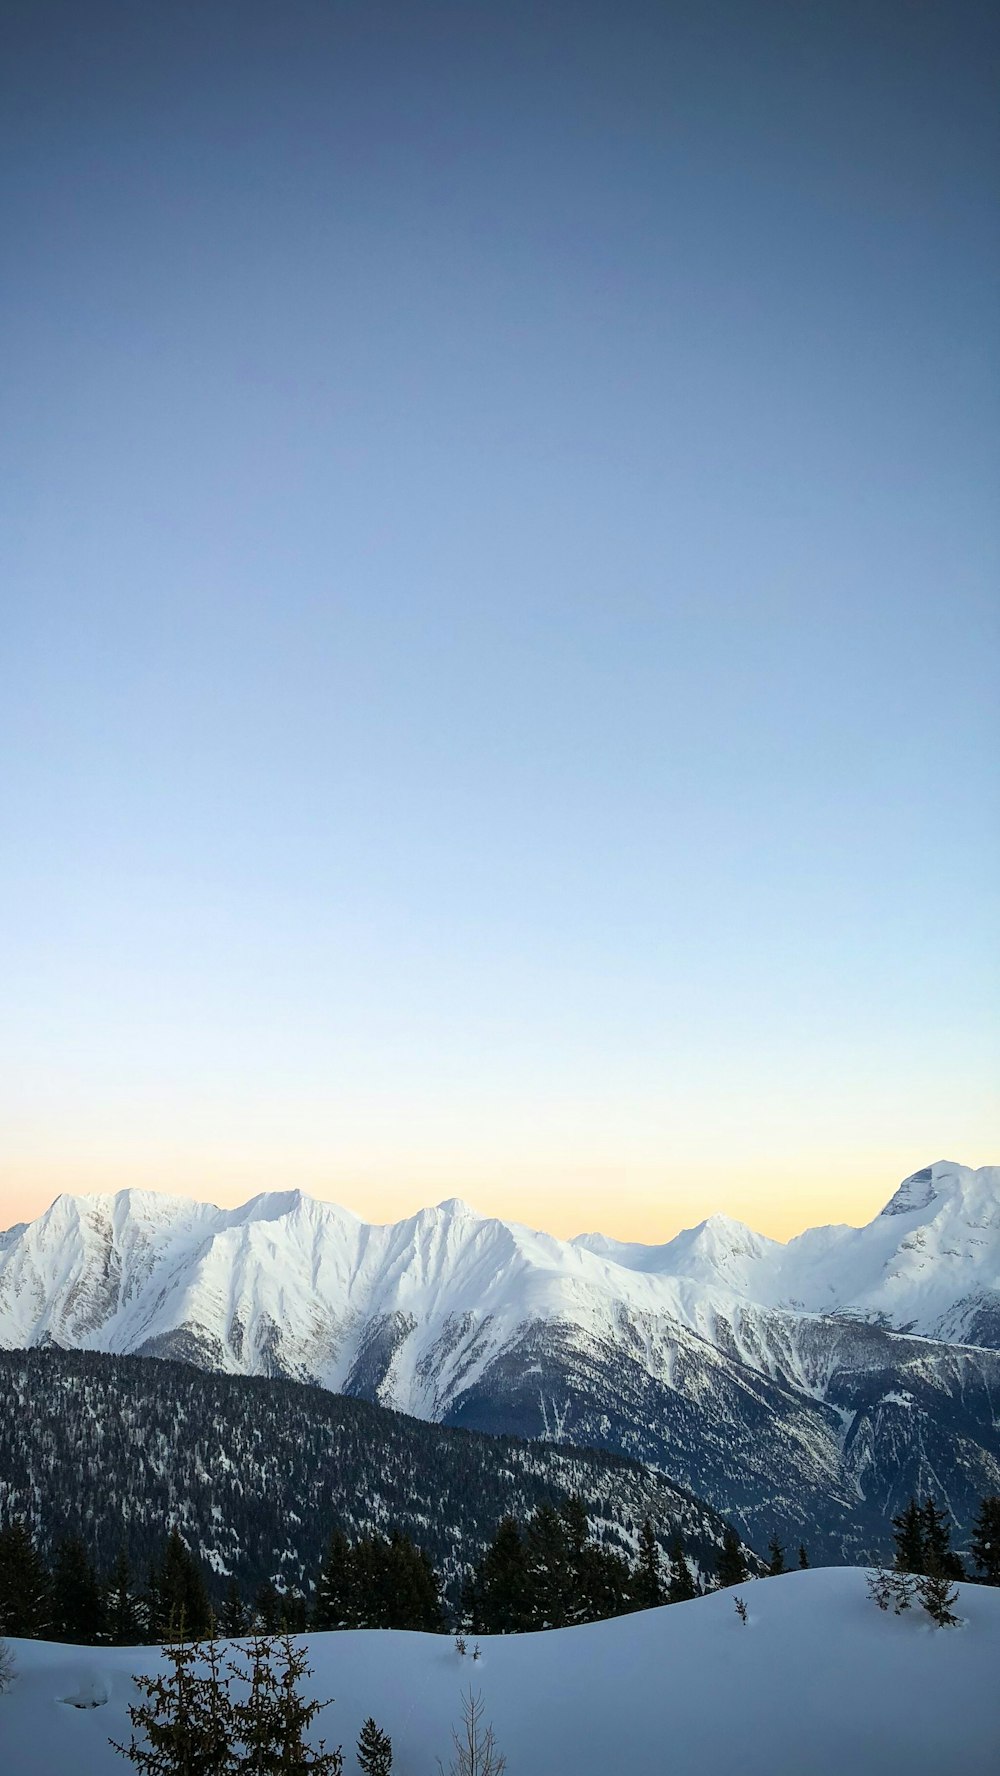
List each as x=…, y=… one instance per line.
x=629, y=1204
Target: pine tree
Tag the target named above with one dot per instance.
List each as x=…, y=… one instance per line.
x=776, y=1563
x=647, y=1582
x=985, y=1542
x=25, y=1586
x=682, y=1587
x=731, y=1565
x=77, y=1604
x=374, y=1750
x=908, y=1535
x=803, y=1557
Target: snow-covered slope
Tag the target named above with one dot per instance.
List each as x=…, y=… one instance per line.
x=762, y=1376
x=817, y=1681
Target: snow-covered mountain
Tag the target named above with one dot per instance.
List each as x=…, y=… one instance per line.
x=791, y=1385
x=929, y=1263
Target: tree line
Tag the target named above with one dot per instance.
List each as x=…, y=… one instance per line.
x=546, y=1572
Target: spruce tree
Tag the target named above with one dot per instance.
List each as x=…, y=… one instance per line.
x=77, y=1604
x=776, y=1562
x=803, y=1557
x=939, y=1556
x=181, y=1596
x=335, y=1602
x=25, y=1586
x=234, y=1617
x=647, y=1581
x=185, y=1724
x=549, y=1570
x=682, y=1587
x=985, y=1544
x=121, y=1614
x=731, y=1565
x=908, y=1535
x=499, y=1595
x=583, y=1568
x=374, y=1750
x=273, y=1723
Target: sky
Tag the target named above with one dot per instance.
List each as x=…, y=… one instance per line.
x=499, y=563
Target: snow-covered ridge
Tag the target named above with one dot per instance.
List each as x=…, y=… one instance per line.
x=818, y=1680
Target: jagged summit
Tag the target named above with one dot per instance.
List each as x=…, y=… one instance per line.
x=916, y=1192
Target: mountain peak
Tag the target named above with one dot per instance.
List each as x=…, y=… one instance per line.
x=942, y=1179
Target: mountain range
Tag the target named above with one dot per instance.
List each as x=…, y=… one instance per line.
x=806, y=1387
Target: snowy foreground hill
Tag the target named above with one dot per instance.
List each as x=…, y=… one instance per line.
x=818, y=1683
x=807, y=1388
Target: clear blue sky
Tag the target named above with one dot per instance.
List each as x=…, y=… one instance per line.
x=500, y=603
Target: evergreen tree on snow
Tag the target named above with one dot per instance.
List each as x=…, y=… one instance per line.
x=682, y=1586
x=374, y=1750
x=647, y=1583
x=121, y=1613
x=776, y=1561
x=335, y=1602
x=908, y=1535
x=181, y=1597
x=731, y=1565
x=937, y=1593
x=985, y=1544
x=77, y=1604
x=939, y=1556
x=185, y=1725
x=25, y=1586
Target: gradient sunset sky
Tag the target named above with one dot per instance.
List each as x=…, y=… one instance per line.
x=500, y=638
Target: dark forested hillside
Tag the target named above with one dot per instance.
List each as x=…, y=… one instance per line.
x=257, y=1472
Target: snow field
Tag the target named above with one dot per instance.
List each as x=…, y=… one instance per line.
x=819, y=1683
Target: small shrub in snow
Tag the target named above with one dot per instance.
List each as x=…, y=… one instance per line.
x=903, y=1585
x=460, y=1644
x=880, y=1588
x=741, y=1609
x=476, y=1751
x=477, y=1651
x=6, y=1666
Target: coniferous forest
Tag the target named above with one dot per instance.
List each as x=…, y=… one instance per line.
x=257, y=1474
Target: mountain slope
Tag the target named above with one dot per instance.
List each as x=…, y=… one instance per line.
x=256, y=1473
x=770, y=1379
